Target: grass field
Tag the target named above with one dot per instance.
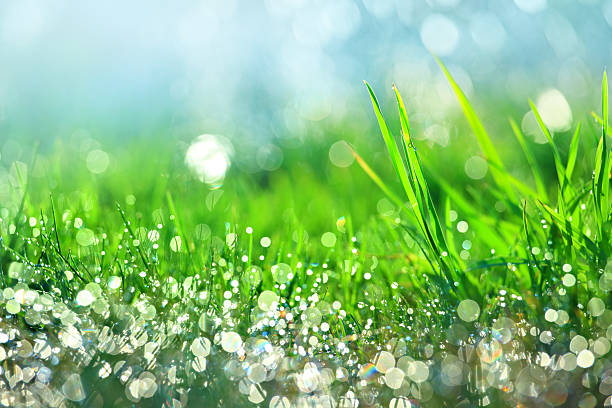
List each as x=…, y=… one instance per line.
x=477, y=274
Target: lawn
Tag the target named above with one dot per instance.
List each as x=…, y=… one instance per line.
x=359, y=270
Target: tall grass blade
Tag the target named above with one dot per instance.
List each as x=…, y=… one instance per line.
x=396, y=157
x=557, y=157
x=497, y=168
x=573, y=153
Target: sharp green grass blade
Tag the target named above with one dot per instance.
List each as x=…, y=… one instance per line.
x=573, y=153
x=426, y=204
x=396, y=157
x=497, y=170
x=533, y=165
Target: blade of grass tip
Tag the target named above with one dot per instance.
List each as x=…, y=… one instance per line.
x=533, y=166
x=573, y=153
x=597, y=118
x=396, y=158
x=498, y=171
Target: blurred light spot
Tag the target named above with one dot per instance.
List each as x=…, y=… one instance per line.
x=208, y=158
x=97, y=161
x=561, y=35
x=531, y=6
x=340, y=154
x=269, y=157
x=530, y=127
x=328, y=239
x=175, y=244
x=439, y=34
x=487, y=31
x=476, y=167
x=85, y=237
x=468, y=310
x=379, y=8
x=607, y=11
x=265, y=242
x=437, y=134
x=462, y=226
x=555, y=110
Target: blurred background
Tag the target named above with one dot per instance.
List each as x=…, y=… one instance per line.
x=110, y=87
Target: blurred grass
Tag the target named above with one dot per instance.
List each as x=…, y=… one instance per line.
x=147, y=183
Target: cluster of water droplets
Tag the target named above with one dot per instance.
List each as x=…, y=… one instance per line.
x=99, y=350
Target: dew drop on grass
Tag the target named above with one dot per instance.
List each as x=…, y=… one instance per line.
x=384, y=361
x=394, y=377
x=267, y=300
x=175, y=244
x=231, y=341
x=84, y=298
x=279, y=402
x=400, y=402
x=257, y=373
x=312, y=317
x=200, y=347
x=328, y=239
x=282, y=273
x=585, y=359
x=265, y=242
x=114, y=282
x=419, y=372
x=340, y=154
x=569, y=280
x=468, y=310
x=73, y=389
x=577, y=344
x=551, y=315
x=596, y=306
x=13, y=307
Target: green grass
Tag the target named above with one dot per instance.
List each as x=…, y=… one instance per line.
x=386, y=255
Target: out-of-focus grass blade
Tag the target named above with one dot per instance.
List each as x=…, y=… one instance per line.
x=573, y=153
x=535, y=169
x=378, y=181
x=601, y=180
x=497, y=170
x=557, y=157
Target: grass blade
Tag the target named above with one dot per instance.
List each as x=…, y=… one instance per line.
x=396, y=157
x=557, y=157
x=497, y=170
x=573, y=153
x=535, y=169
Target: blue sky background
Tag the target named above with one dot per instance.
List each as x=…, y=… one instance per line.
x=263, y=70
